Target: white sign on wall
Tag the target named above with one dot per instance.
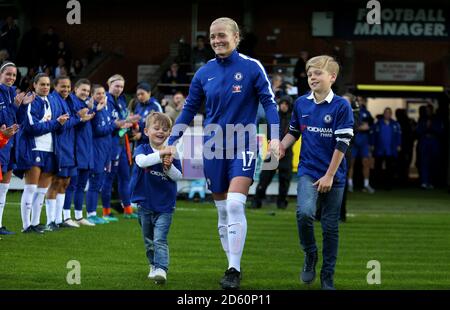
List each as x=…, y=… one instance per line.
x=399, y=71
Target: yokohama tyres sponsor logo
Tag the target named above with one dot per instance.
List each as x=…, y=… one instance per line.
x=324, y=132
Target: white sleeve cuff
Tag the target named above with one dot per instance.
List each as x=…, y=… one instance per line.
x=174, y=173
x=144, y=161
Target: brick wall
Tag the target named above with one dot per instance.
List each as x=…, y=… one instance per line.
x=144, y=31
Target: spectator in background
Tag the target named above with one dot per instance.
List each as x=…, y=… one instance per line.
x=201, y=54
x=386, y=143
x=300, y=73
x=361, y=146
x=64, y=52
x=285, y=164
x=64, y=72
x=4, y=55
x=49, y=72
x=9, y=35
x=49, y=47
x=94, y=51
x=407, y=126
x=61, y=66
x=77, y=67
x=27, y=81
x=429, y=130
x=173, y=76
x=174, y=107
x=184, y=54
x=278, y=86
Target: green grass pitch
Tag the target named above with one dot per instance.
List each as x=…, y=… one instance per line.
x=407, y=231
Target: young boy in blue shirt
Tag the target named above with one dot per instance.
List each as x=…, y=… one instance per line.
x=325, y=122
x=154, y=189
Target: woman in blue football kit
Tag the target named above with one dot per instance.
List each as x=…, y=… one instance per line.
x=103, y=125
x=36, y=159
x=232, y=85
x=83, y=154
x=65, y=139
x=9, y=105
x=120, y=163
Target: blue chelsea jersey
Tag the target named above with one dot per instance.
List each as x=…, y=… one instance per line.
x=150, y=187
x=322, y=126
x=232, y=89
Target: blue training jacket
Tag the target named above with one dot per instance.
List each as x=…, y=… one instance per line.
x=8, y=112
x=65, y=137
x=102, y=126
x=118, y=110
x=33, y=127
x=386, y=138
x=144, y=109
x=232, y=89
x=83, y=134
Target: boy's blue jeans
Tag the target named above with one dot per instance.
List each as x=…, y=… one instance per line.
x=155, y=228
x=307, y=198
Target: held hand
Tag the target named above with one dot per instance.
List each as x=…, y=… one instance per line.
x=324, y=184
x=167, y=162
x=167, y=151
x=274, y=148
x=63, y=119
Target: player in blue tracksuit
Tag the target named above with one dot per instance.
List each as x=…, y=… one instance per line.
x=154, y=190
x=83, y=154
x=145, y=105
x=325, y=122
x=120, y=162
x=67, y=167
x=231, y=85
x=361, y=147
x=103, y=125
x=9, y=105
x=386, y=143
x=36, y=159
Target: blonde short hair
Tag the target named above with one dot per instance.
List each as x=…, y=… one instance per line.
x=158, y=117
x=323, y=62
x=115, y=77
x=230, y=23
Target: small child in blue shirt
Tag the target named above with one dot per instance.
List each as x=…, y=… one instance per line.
x=154, y=189
x=325, y=122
